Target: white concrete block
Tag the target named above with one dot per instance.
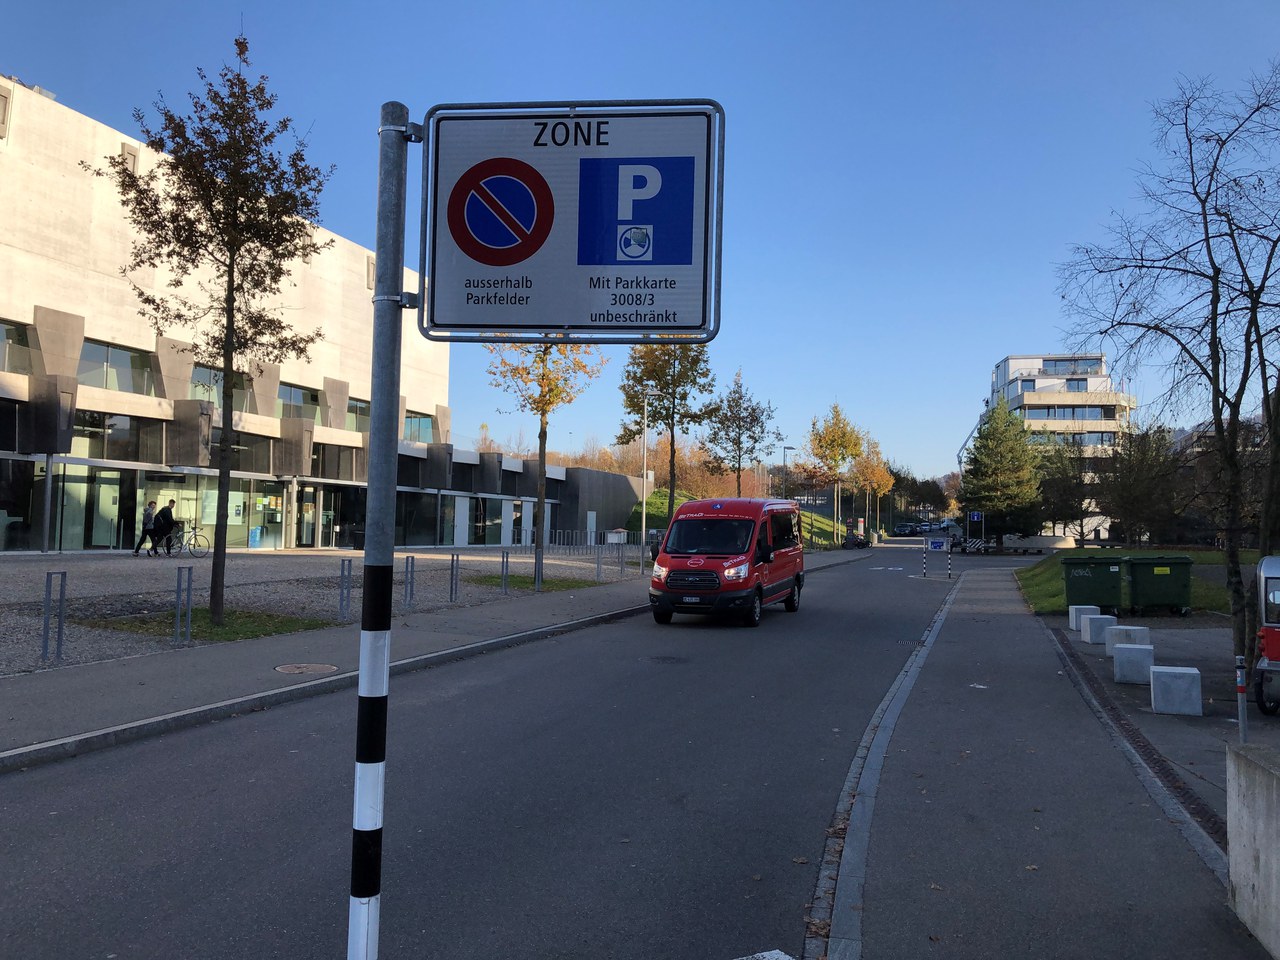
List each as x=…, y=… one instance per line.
x=1117, y=635
x=1076, y=611
x=1176, y=690
x=1133, y=662
x=1093, y=629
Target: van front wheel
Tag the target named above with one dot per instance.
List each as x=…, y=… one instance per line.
x=752, y=617
x=1265, y=693
x=792, y=603
x=662, y=616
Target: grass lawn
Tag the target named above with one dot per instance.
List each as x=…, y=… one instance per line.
x=524, y=581
x=237, y=624
x=1045, y=588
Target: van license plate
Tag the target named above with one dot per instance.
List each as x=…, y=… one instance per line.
x=690, y=599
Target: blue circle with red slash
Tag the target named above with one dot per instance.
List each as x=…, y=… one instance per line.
x=500, y=212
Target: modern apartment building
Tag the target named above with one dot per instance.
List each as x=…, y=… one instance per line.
x=1063, y=397
x=99, y=413
x=1067, y=396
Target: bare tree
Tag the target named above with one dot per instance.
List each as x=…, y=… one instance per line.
x=1187, y=282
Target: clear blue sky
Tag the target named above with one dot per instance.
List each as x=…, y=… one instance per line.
x=901, y=179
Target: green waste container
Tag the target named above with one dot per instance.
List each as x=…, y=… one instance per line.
x=1094, y=581
x=1160, y=582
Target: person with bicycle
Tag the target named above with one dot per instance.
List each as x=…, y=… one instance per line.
x=163, y=526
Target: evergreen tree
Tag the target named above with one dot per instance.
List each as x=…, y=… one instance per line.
x=1001, y=476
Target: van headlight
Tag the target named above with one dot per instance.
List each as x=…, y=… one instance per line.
x=659, y=572
x=738, y=572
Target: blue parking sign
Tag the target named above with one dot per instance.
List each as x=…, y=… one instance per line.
x=635, y=210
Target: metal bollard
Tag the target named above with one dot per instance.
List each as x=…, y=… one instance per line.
x=599, y=563
x=455, y=569
x=622, y=560
x=344, y=589
x=1242, y=700
x=410, y=571
x=48, y=609
x=178, y=605
x=506, y=569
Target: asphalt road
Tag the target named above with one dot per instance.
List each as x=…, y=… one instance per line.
x=627, y=791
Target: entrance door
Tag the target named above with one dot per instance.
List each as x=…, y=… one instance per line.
x=330, y=510
x=307, y=516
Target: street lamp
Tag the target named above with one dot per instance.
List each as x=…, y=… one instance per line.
x=644, y=471
x=784, y=471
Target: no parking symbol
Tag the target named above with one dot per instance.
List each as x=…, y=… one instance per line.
x=500, y=212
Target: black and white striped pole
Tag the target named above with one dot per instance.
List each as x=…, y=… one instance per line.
x=394, y=134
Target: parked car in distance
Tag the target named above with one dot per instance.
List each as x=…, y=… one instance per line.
x=730, y=556
x=925, y=526
x=904, y=530
x=855, y=541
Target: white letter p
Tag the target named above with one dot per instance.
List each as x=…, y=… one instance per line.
x=636, y=181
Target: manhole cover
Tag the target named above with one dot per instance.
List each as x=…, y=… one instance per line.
x=306, y=668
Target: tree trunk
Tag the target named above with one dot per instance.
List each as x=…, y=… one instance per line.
x=218, y=571
x=539, y=511
x=671, y=467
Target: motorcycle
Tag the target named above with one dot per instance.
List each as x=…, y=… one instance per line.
x=855, y=541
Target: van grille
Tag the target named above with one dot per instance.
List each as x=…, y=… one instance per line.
x=692, y=580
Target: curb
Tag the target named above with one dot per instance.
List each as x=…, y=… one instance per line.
x=50, y=751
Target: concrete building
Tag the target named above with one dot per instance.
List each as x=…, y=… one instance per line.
x=99, y=413
x=1063, y=396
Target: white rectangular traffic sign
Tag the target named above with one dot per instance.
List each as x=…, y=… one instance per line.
x=596, y=222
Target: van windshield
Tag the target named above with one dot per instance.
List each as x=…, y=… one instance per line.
x=710, y=535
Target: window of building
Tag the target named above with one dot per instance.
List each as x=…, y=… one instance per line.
x=358, y=415
x=15, y=351
x=206, y=384
x=1028, y=386
x=332, y=462
x=300, y=402
x=249, y=452
x=418, y=427
x=1075, y=365
x=1077, y=385
x=115, y=368
x=105, y=436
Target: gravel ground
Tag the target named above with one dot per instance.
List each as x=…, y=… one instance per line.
x=117, y=585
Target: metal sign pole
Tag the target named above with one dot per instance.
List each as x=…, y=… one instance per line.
x=394, y=134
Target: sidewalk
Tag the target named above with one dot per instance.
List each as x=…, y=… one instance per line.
x=1009, y=822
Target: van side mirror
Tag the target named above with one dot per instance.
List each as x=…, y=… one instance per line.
x=764, y=553
x=653, y=551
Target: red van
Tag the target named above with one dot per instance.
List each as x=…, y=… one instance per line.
x=728, y=556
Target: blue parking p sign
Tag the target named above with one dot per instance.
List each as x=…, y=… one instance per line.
x=975, y=516
x=635, y=210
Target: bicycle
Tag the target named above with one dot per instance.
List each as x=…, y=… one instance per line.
x=195, y=543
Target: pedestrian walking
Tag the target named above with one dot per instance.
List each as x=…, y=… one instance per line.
x=164, y=524
x=148, y=528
